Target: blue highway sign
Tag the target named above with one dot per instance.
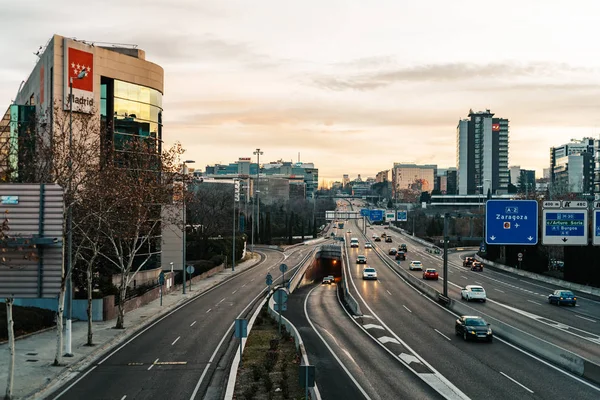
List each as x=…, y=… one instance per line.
x=596, y=236
x=364, y=212
x=402, y=216
x=565, y=227
x=376, y=215
x=510, y=222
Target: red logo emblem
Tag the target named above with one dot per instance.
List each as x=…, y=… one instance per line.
x=78, y=61
x=507, y=225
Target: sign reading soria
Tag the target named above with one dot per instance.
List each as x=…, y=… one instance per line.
x=79, y=72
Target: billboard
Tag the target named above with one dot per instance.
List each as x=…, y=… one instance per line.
x=31, y=242
x=78, y=68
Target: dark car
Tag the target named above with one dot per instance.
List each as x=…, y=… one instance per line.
x=378, y=239
x=403, y=247
x=472, y=327
x=388, y=239
x=562, y=297
x=400, y=255
x=476, y=266
x=468, y=261
x=392, y=251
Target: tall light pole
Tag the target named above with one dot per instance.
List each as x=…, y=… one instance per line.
x=236, y=198
x=257, y=153
x=184, y=175
x=68, y=326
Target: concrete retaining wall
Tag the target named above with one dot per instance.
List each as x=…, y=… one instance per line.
x=348, y=298
x=79, y=307
x=542, y=278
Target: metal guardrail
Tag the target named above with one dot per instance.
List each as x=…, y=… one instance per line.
x=348, y=298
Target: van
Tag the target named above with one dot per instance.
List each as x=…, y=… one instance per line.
x=354, y=242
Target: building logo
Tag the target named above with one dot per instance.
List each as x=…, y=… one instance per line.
x=79, y=79
x=495, y=127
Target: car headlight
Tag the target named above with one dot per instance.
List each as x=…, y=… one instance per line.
x=489, y=332
x=472, y=332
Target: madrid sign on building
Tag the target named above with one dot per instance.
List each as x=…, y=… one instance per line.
x=78, y=72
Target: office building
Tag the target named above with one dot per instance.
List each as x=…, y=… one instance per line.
x=445, y=181
x=382, y=176
x=413, y=176
x=526, y=182
x=572, y=168
x=482, y=154
x=515, y=173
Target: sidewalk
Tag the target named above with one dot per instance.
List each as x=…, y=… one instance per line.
x=35, y=376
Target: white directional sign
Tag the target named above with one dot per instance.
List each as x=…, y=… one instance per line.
x=551, y=204
x=390, y=215
x=565, y=227
x=574, y=204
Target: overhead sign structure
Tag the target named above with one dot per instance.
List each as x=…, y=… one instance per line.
x=333, y=215
x=376, y=215
x=565, y=227
x=390, y=216
x=596, y=226
x=509, y=222
x=402, y=216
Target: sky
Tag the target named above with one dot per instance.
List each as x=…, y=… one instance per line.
x=350, y=85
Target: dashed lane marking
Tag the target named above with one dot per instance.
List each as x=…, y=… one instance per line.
x=175, y=341
x=442, y=334
x=387, y=339
x=407, y=309
x=373, y=326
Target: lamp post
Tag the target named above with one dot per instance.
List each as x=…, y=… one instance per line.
x=257, y=153
x=184, y=174
x=236, y=194
x=68, y=326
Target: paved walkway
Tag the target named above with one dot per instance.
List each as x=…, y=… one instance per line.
x=34, y=374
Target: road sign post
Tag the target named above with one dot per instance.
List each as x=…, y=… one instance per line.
x=281, y=297
x=307, y=377
x=511, y=222
x=190, y=270
x=161, y=282
x=566, y=226
x=241, y=331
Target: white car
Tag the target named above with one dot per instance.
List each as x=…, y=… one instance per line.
x=415, y=265
x=368, y=245
x=373, y=236
x=473, y=292
x=369, y=273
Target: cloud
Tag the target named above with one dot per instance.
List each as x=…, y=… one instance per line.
x=438, y=73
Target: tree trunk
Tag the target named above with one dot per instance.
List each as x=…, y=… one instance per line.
x=121, y=307
x=90, y=334
x=11, y=347
x=59, y=325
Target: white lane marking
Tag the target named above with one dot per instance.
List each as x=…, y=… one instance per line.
x=362, y=316
x=76, y=382
x=387, y=339
x=373, y=326
x=192, y=324
x=479, y=283
x=464, y=277
x=501, y=291
x=442, y=334
x=518, y=383
x=407, y=309
x=124, y=397
x=252, y=280
x=390, y=293
x=222, y=300
x=150, y=367
x=175, y=341
x=244, y=284
x=587, y=319
x=534, y=302
x=409, y=358
x=207, y=311
x=234, y=291
x=330, y=349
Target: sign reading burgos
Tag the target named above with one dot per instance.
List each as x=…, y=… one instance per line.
x=75, y=62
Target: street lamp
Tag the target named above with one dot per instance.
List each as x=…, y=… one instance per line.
x=184, y=173
x=257, y=153
x=68, y=353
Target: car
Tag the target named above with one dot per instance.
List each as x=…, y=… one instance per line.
x=373, y=236
x=326, y=280
x=400, y=255
x=561, y=296
x=473, y=327
x=468, y=261
x=388, y=239
x=386, y=227
x=361, y=259
x=473, y=292
x=431, y=273
x=378, y=239
x=331, y=277
x=369, y=273
x=383, y=235
x=392, y=251
x=348, y=231
x=370, y=227
x=354, y=242
x=368, y=245
x=415, y=265
x=403, y=247
x=476, y=266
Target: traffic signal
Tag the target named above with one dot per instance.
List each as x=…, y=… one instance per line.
x=236, y=190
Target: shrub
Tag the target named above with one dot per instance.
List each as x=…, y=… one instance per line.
x=268, y=383
x=271, y=360
x=257, y=372
x=250, y=391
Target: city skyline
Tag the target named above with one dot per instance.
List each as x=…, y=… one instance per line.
x=382, y=85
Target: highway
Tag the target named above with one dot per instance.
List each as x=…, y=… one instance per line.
x=519, y=301
x=181, y=355
x=479, y=370
x=361, y=368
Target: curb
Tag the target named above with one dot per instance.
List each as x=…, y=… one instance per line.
x=91, y=358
